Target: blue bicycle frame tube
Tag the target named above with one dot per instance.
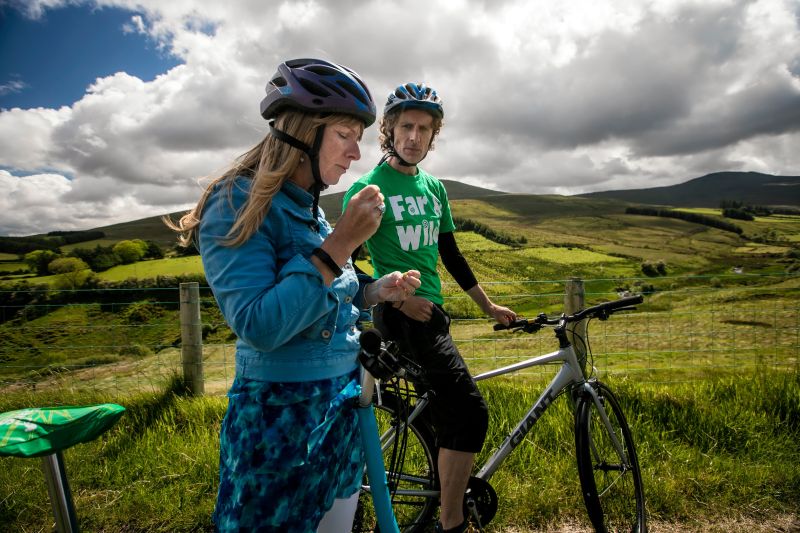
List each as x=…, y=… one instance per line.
x=376, y=471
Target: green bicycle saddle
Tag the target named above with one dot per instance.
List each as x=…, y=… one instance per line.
x=46, y=430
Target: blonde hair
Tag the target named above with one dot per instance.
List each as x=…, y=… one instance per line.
x=268, y=165
x=389, y=121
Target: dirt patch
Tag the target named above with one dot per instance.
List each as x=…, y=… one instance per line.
x=777, y=524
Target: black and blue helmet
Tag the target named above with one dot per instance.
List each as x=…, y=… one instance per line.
x=414, y=96
x=318, y=86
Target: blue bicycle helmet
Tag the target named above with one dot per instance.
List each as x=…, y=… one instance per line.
x=414, y=96
x=318, y=86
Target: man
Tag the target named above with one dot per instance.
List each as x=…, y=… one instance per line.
x=416, y=228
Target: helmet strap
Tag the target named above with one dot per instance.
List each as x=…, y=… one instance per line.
x=393, y=153
x=313, y=156
x=319, y=185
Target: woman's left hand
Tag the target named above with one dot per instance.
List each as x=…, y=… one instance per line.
x=393, y=287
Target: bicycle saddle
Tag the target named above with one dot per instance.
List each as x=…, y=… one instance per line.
x=43, y=431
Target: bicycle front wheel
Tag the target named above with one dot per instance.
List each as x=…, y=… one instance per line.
x=413, y=481
x=608, y=465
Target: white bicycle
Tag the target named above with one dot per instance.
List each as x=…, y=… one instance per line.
x=608, y=466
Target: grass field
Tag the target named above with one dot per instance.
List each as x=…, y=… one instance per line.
x=709, y=451
x=12, y=266
x=150, y=269
x=697, y=317
x=685, y=333
x=172, y=266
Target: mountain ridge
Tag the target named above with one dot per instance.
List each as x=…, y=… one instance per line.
x=705, y=191
x=754, y=188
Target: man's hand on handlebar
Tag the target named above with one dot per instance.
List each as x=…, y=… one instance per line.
x=503, y=315
x=601, y=311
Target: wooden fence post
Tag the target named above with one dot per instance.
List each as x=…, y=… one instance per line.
x=191, y=337
x=574, y=301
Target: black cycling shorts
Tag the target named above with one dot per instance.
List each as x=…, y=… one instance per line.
x=459, y=412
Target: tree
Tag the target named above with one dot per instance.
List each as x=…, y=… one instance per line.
x=38, y=260
x=99, y=258
x=183, y=251
x=130, y=251
x=154, y=251
x=72, y=272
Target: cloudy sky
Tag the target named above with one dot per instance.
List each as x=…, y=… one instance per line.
x=113, y=110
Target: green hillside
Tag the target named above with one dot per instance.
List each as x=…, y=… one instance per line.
x=556, y=238
x=471, y=201
x=598, y=225
x=332, y=203
x=709, y=190
x=153, y=228
x=150, y=228
x=468, y=200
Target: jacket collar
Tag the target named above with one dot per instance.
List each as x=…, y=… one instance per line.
x=297, y=194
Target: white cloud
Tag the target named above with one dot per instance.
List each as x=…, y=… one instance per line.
x=31, y=203
x=39, y=203
x=540, y=96
x=12, y=86
x=26, y=137
x=136, y=25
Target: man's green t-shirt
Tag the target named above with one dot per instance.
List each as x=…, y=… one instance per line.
x=417, y=210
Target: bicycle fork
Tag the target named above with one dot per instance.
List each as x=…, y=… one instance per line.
x=623, y=458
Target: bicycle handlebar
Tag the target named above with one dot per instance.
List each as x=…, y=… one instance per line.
x=382, y=359
x=601, y=311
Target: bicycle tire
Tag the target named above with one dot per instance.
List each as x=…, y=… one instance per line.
x=613, y=493
x=414, y=513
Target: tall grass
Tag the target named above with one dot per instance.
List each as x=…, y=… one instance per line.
x=156, y=470
x=707, y=448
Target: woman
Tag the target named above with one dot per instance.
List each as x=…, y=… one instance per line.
x=282, y=277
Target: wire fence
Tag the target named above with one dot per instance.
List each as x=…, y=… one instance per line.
x=129, y=340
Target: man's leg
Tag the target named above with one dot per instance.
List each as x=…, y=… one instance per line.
x=454, y=470
x=459, y=413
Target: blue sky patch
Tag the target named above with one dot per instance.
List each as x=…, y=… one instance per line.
x=51, y=61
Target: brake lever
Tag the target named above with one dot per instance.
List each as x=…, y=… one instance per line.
x=606, y=313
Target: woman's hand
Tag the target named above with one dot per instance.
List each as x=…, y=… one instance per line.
x=358, y=223
x=360, y=220
x=393, y=287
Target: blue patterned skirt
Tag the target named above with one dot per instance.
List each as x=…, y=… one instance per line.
x=287, y=450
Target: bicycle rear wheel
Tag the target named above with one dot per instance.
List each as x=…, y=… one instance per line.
x=414, y=482
x=612, y=485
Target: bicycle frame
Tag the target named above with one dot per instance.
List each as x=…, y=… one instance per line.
x=569, y=374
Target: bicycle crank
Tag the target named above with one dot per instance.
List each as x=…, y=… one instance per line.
x=480, y=501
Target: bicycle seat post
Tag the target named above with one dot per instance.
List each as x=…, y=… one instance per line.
x=60, y=495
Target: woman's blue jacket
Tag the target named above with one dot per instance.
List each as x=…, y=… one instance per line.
x=290, y=325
